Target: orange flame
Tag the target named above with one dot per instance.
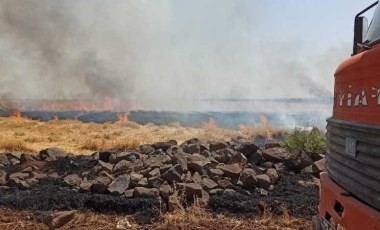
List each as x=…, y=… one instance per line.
x=264, y=121
x=17, y=114
x=123, y=118
x=210, y=124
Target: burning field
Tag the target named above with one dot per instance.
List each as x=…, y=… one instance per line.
x=126, y=175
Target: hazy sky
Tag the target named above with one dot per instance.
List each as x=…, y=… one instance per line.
x=166, y=51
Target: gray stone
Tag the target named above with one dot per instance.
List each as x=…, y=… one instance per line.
x=318, y=167
x=122, y=166
x=105, y=166
x=72, y=180
x=299, y=162
x=85, y=186
x=215, y=172
x=135, y=178
x=180, y=159
x=165, y=168
x=174, y=203
x=164, y=145
x=173, y=174
x=275, y=155
x=157, y=161
x=223, y=183
x=216, y=191
x=142, y=192
x=4, y=159
x=208, y=184
x=24, y=158
x=197, y=178
x=155, y=182
x=173, y=150
x=238, y=158
x=119, y=186
x=129, y=156
x=51, y=154
x=255, y=158
x=247, y=148
x=157, y=152
x=59, y=219
x=206, y=153
x=186, y=177
x=273, y=175
x=198, y=166
x=103, y=156
x=146, y=149
x=191, y=190
x=3, y=178
x=232, y=170
x=165, y=191
x=143, y=182
x=249, y=181
x=154, y=173
x=223, y=155
x=128, y=193
x=263, y=181
x=191, y=148
x=214, y=146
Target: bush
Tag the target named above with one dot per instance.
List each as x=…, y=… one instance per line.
x=310, y=141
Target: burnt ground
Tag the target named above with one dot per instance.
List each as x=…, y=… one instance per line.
x=297, y=193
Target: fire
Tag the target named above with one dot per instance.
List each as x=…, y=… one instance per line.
x=264, y=121
x=123, y=118
x=17, y=114
x=210, y=124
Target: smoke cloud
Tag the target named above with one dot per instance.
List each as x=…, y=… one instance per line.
x=158, y=53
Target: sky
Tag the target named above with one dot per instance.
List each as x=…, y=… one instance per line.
x=165, y=52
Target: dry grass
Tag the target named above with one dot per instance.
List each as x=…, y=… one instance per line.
x=19, y=134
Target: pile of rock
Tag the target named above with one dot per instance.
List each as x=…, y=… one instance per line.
x=165, y=169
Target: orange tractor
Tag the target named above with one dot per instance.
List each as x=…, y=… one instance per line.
x=350, y=187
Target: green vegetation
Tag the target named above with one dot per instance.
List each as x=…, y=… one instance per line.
x=310, y=141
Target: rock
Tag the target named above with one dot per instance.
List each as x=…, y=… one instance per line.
x=51, y=154
x=180, y=159
x=267, y=165
x=279, y=167
x=255, y=158
x=174, y=203
x=173, y=174
x=173, y=150
x=145, y=192
x=208, y=184
x=197, y=178
x=146, y=149
x=198, y=166
x=105, y=166
x=103, y=156
x=275, y=155
x=135, y=178
x=187, y=177
x=85, y=186
x=232, y=170
x=164, y=145
x=18, y=180
x=229, y=192
x=38, y=176
x=3, y=178
x=273, y=175
x=271, y=145
x=143, y=182
x=157, y=152
x=214, y=146
x=215, y=172
x=206, y=153
x=99, y=185
x=72, y=180
x=191, y=190
x=128, y=193
x=216, y=191
x=154, y=173
x=122, y=166
x=59, y=219
x=13, y=161
x=318, y=167
x=165, y=191
x=191, y=141
x=204, y=147
x=4, y=159
x=223, y=183
x=24, y=158
x=247, y=172
x=299, y=162
x=223, y=155
x=155, y=182
x=157, y=161
x=316, y=156
x=165, y=168
x=263, y=181
x=119, y=186
x=238, y=158
x=247, y=148
x=249, y=181
x=204, y=198
x=129, y=156
x=191, y=148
